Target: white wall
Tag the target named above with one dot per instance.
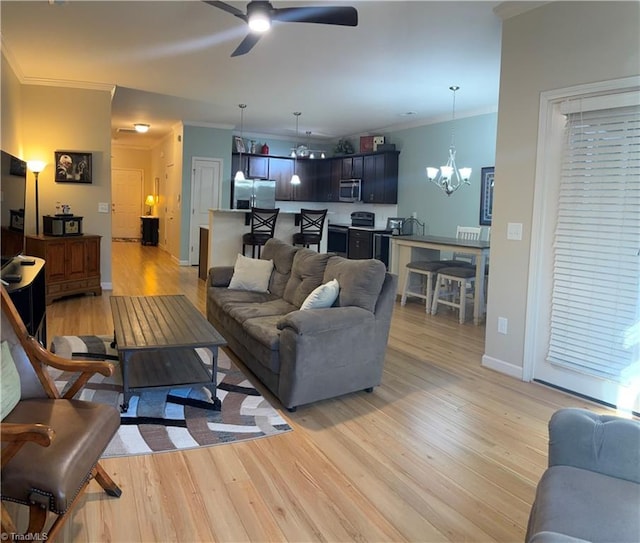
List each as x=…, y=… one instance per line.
x=554, y=46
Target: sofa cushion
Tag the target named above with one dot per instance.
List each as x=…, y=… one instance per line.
x=251, y=274
x=323, y=296
x=282, y=255
x=306, y=275
x=225, y=298
x=242, y=311
x=587, y=505
x=360, y=281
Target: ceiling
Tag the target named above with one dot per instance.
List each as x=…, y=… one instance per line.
x=170, y=62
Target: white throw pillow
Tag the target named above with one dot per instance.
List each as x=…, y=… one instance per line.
x=251, y=274
x=322, y=296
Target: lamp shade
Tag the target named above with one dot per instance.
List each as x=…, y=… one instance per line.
x=36, y=166
x=149, y=200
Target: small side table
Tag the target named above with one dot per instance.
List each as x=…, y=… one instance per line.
x=150, y=226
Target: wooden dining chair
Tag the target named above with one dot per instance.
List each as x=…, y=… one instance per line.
x=263, y=227
x=51, y=443
x=311, y=226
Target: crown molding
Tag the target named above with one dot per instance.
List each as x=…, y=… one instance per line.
x=507, y=10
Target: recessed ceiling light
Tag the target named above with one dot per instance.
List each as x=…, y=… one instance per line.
x=141, y=127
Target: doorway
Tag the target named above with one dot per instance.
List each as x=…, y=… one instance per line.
x=126, y=203
x=583, y=306
x=206, y=175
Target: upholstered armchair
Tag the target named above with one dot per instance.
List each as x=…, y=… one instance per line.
x=51, y=443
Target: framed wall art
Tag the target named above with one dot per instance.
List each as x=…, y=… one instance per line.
x=73, y=167
x=238, y=144
x=486, y=195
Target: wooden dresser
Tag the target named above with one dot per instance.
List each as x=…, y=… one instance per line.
x=72, y=263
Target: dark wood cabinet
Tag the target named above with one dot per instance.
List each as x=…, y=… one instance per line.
x=360, y=244
x=281, y=169
x=258, y=167
x=323, y=181
x=380, y=178
x=321, y=177
x=352, y=167
x=253, y=166
x=72, y=263
x=306, y=190
x=149, y=229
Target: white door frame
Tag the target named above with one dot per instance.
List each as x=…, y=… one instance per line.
x=194, y=239
x=549, y=149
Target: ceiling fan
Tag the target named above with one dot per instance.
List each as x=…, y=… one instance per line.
x=260, y=14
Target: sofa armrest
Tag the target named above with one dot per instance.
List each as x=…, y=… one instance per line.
x=219, y=276
x=605, y=444
x=317, y=321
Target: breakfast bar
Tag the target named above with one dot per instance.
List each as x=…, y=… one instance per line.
x=405, y=249
x=226, y=227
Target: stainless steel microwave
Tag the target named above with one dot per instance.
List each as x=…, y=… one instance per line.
x=350, y=190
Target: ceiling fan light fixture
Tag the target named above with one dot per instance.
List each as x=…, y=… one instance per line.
x=141, y=128
x=259, y=21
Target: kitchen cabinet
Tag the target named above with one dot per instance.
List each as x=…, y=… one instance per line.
x=281, y=170
x=306, y=190
x=253, y=166
x=336, y=176
x=360, y=244
x=352, y=167
x=380, y=178
x=72, y=263
x=324, y=186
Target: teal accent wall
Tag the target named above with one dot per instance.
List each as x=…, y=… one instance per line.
x=205, y=142
x=475, y=139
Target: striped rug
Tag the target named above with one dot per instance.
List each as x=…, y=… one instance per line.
x=158, y=421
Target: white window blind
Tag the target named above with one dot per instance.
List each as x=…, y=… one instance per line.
x=595, y=317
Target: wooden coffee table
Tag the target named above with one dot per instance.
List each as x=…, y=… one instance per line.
x=157, y=338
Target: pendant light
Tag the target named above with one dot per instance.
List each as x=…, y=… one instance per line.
x=449, y=178
x=240, y=174
x=295, y=179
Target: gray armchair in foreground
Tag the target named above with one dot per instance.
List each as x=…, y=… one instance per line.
x=591, y=490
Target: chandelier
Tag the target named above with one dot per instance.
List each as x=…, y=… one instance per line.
x=305, y=151
x=448, y=177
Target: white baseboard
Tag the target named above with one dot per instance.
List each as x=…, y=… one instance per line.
x=503, y=367
x=106, y=286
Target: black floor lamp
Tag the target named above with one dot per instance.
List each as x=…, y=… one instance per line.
x=36, y=166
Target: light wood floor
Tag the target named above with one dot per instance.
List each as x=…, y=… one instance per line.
x=444, y=450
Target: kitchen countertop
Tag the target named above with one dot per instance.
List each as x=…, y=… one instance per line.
x=365, y=228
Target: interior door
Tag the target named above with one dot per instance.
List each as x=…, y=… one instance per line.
x=206, y=176
x=126, y=203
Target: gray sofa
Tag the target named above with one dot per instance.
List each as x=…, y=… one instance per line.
x=591, y=490
x=303, y=356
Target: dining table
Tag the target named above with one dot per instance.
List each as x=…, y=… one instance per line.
x=405, y=249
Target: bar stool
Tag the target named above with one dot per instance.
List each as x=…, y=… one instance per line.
x=263, y=226
x=311, y=225
x=451, y=288
x=427, y=270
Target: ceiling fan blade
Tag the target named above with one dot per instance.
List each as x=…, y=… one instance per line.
x=247, y=44
x=329, y=15
x=228, y=8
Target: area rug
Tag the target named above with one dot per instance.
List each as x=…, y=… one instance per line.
x=155, y=424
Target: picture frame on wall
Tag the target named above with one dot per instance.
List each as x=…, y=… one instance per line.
x=73, y=167
x=238, y=144
x=486, y=195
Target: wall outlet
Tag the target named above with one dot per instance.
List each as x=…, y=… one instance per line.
x=103, y=207
x=503, y=324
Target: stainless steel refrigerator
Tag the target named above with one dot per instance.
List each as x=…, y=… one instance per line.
x=253, y=193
